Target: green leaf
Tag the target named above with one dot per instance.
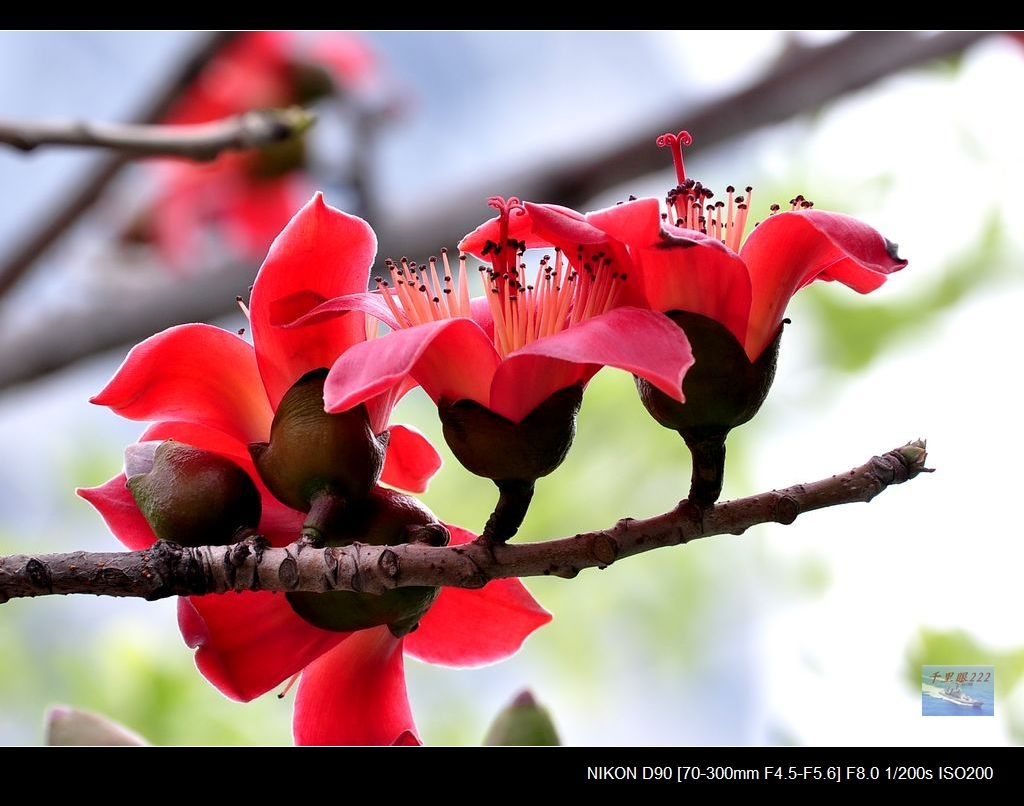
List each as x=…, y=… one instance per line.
x=522, y=723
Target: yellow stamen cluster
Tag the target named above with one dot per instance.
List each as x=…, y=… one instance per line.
x=726, y=221
x=560, y=297
x=689, y=202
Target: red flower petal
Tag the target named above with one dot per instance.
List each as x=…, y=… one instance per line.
x=407, y=739
x=583, y=242
x=789, y=250
x=451, y=358
x=682, y=269
x=247, y=643
x=355, y=694
x=474, y=627
x=640, y=341
x=192, y=373
x=563, y=227
x=637, y=223
x=306, y=309
x=117, y=507
x=521, y=226
x=205, y=437
x=411, y=461
x=326, y=253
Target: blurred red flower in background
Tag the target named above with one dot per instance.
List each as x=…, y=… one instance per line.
x=245, y=199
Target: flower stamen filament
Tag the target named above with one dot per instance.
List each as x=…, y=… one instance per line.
x=689, y=208
x=563, y=294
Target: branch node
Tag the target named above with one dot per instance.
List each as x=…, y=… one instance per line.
x=332, y=564
x=288, y=573
x=357, y=576
x=428, y=534
x=605, y=549
x=475, y=580
x=390, y=564
x=39, y=575
x=622, y=525
x=692, y=513
x=234, y=558
x=478, y=578
x=786, y=510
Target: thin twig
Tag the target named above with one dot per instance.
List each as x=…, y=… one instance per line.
x=168, y=569
x=77, y=201
x=200, y=141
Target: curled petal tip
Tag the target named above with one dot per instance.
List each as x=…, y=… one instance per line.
x=892, y=249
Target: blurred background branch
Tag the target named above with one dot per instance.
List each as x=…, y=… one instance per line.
x=198, y=141
x=88, y=190
x=801, y=80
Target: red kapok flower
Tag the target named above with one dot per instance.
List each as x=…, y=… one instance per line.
x=247, y=198
x=729, y=292
x=506, y=370
x=210, y=389
x=352, y=684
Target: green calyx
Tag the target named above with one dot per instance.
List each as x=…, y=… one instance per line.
x=723, y=389
x=194, y=497
x=512, y=455
x=494, y=447
x=384, y=518
x=312, y=452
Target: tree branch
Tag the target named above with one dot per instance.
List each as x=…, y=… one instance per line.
x=78, y=200
x=169, y=569
x=201, y=141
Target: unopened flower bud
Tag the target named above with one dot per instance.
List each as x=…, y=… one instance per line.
x=915, y=453
x=312, y=452
x=523, y=722
x=385, y=518
x=191, y=496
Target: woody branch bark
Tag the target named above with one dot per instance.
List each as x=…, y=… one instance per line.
x=202, y=141
x=169, y=569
